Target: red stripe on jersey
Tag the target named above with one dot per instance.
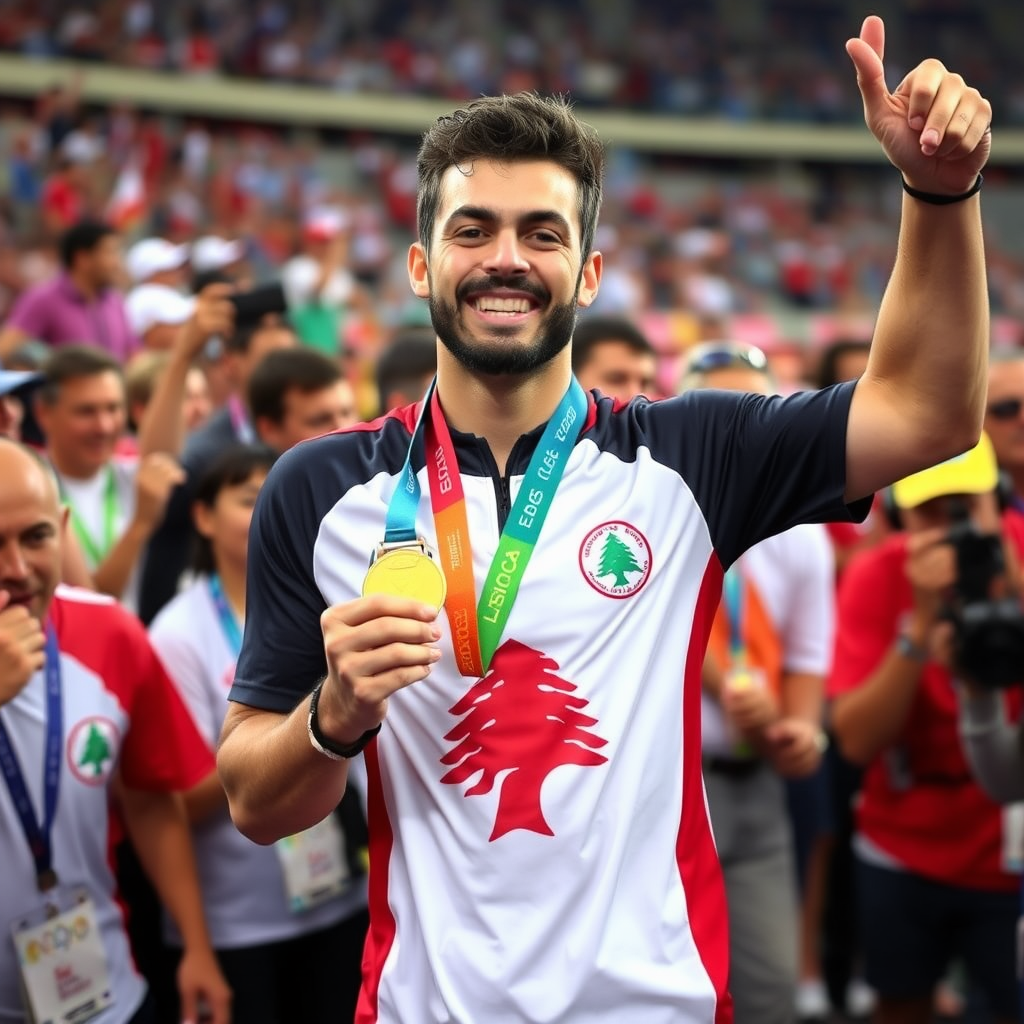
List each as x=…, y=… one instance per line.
x=699, y=869
x=381, y=935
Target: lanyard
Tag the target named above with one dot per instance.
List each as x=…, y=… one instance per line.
x=36, y=834
x=97, y=551
x=240, y=421
x=478, y=626
x=734, y=609
x=228, y=622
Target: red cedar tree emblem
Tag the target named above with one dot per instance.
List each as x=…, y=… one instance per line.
x=520, y=716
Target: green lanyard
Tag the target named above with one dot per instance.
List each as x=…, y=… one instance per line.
x=95, y=551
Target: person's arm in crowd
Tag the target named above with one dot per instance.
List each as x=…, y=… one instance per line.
x=159, y=832
x=993, y=746
x=277, y=782
x=921, y=399
x=158, y=475
x=205, y=799
x=11, y=339
x=869, y=718
x=162, y=428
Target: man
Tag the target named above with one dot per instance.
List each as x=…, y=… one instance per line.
x=763, y=682
x=405, y=368
x=291, y=394
x=78, y=680
x=612, y=354
x=1004, y=422
x=156, y=306
x=933, y=882
x=543, y=753
x=115, y=502
x=82, y=304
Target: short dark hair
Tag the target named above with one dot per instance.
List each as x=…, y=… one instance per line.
x=69, y=362
x=240, y=339
x=524, y=126
x=595, y=329
x=410, y=356
x=831, y=356
x=82, y=237
x=233, y=466
x=278, y=372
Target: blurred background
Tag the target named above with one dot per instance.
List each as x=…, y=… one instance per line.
x=744, y=194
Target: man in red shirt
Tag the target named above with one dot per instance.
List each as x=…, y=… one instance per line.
x=934, y=881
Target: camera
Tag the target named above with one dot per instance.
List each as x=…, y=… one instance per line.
x=988, y=631
x=252, y=305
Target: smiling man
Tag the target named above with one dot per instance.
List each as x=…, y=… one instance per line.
x=540, y=845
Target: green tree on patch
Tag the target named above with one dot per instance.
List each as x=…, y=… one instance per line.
x=618, y=559
x=97, y=750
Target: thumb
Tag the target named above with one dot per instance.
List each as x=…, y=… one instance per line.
x=5, y=599
x=867, y=52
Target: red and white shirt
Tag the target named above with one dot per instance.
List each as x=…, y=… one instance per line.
x=540, y=848
x=121, y=714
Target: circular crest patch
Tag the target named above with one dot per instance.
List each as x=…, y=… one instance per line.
x=615, y=558
x=92, y=749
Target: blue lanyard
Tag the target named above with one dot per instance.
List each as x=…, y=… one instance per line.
x=38, y=835
x=228, y=622
x=400, y=524
x=734, y=608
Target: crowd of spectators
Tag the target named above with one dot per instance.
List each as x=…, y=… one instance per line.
x=694, y=59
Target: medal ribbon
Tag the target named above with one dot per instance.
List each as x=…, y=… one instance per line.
x=478, y=627
x=94, y=551
x=518, y=538
x=38, y=834
x=228, y=621
x=734, y=609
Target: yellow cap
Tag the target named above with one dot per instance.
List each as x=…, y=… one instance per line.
x=974, y=472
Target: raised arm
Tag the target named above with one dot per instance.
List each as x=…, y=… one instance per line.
x=921, y=399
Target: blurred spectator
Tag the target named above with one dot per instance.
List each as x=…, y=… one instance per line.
x=15, y=388
x=140, y=378
x=1004, y=417
x=406, y=367
x=155, y=305
x=115, y=502
x=217, y=258
x=317, y=282
x=68, y=194
x=933, y=882
x=268, y=922
x=82, y=304
x=614, y=356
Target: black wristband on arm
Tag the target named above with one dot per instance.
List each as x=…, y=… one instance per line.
x=936, y=199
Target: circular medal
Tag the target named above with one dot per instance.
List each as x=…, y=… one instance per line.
x=407, y=572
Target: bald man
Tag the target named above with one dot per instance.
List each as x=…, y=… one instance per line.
x=86, y=712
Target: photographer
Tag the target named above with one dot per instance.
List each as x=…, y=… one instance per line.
x=932, y=883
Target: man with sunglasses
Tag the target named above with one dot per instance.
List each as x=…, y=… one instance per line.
x=1004, y=422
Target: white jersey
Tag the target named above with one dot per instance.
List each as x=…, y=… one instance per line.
x=540, y=848
x=243, y=889
x=119, y=712
x=794, y=574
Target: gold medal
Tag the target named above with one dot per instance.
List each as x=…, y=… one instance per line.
x=407, y=571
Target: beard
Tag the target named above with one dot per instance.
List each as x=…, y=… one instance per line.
x=492, y=357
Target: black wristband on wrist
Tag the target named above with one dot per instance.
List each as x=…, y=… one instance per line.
x=328, y=747
x=937, y=199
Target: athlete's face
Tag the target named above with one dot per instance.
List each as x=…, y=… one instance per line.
x=504, y=275
x=31, y=529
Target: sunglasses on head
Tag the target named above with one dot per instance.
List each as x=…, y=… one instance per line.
x=718, y=357
x=1006, y=408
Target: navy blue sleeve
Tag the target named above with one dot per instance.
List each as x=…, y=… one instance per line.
x=282, y=654
x=756, y=465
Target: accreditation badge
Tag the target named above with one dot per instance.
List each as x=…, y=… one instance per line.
x=314, y=865
x=406, y=570
x=1013, y=838
x=61, y=960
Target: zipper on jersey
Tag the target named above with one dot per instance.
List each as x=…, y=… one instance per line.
x=503, y=491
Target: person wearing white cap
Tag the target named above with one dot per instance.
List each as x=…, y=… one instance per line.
x=936, y=874
x=212, y=253
x=316, y=282
x=156, y=306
